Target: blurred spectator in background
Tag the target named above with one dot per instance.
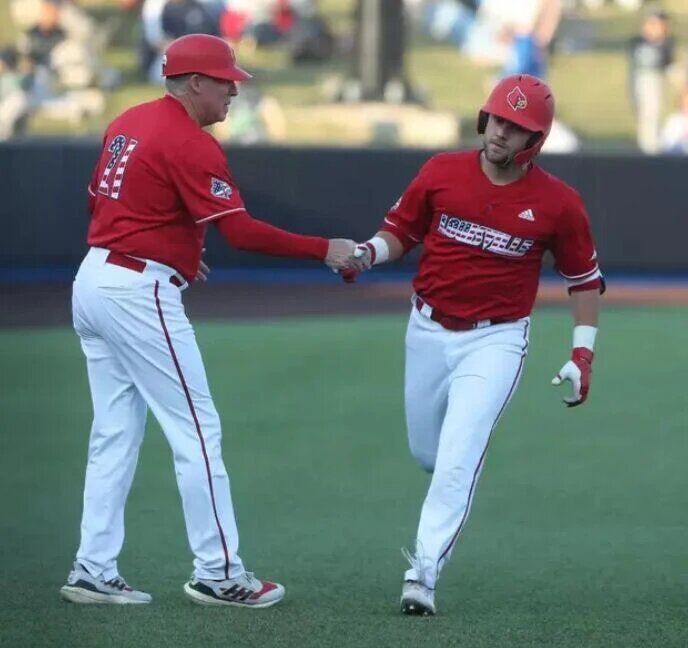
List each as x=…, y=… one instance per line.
x=60, y=60
x=52, y=101
x=264, y=22
x=293, y=24
x=14, y=103
x=183, y=17
x=310, y=39
x=153, y=41
x=40, y=40
x=650, y=55
x=674, y=138
x=531, y=37
x=514, y=34
x=445, y=20
x=67, y=41
x=164, y=20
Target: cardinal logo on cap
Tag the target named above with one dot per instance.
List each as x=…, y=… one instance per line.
x=517, y=100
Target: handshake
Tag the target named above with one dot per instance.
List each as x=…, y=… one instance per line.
x=349, y=258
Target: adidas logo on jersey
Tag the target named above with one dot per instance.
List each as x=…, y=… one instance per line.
x=527, y=215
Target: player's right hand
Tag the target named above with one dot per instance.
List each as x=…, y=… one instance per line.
x=577, y=371
x=339, y=253
x=363, y=257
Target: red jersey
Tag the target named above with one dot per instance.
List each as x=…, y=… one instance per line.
x=159, y=181
x=484, y=243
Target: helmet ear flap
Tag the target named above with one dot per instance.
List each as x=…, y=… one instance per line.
x=482, y=122
x=533, y=140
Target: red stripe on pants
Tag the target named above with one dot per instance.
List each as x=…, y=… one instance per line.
x=198, y=427
x=482, y=456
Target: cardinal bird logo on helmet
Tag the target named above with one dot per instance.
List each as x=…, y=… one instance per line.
x=517, y=100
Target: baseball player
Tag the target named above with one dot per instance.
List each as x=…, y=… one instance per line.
x=160, y=181
x=485, y=218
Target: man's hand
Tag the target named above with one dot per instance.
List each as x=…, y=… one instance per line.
x=339, y=254
x=363, y=257
x=577, y=371
x=360, y=260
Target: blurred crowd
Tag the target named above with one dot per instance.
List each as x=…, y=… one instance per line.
x=519, y=36
x=56, y=66
x=293, y=24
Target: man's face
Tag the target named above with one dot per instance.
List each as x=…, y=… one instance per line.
x=214, y=97
x=503, y=139
x=49, y=17
x=655, y=29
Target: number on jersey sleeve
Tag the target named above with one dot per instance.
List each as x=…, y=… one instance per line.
x=121, y=148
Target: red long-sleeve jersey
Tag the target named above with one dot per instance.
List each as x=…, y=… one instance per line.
x=484, y=243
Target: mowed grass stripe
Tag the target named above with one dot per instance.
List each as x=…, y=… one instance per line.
x=577, y=536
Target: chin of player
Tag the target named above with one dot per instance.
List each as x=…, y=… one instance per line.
x=496, y=155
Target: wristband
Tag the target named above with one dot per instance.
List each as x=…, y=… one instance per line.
x=584, y=336
x=379, y=250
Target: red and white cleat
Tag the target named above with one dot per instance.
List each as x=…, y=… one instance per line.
x=244, y=591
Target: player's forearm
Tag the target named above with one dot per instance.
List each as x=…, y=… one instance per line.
x=249, y=234
x=396, y=248
x=384, y=247
x=585, y=306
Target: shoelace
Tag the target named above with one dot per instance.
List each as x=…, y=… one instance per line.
x=253, y=582
x=117, y=583
x=417, y=562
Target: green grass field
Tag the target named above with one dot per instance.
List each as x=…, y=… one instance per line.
x=578, y=535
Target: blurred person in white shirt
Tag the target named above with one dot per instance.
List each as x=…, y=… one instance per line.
x=674, y=137
x=14, y=104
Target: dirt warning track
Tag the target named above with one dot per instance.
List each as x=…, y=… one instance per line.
x=48, y=304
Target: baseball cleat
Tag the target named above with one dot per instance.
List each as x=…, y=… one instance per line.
x=417, y=599
x=83, y=588
x=244, y=591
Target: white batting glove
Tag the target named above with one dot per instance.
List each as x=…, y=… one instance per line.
x=576, y=371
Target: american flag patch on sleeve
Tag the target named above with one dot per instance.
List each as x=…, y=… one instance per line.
x=220, y=188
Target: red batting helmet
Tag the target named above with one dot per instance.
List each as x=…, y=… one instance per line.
x=524, y=100
x=202, y=54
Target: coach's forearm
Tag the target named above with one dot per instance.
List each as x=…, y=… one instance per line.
x=252, y=235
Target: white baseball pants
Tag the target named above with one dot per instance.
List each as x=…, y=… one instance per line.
x=141, y=353
x=458, y=384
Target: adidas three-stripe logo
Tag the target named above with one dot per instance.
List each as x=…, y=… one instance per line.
x=237, y=593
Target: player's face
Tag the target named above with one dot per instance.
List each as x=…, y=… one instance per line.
x=503, y=139
x=215, y=96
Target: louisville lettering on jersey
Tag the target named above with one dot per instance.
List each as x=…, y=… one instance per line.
x=485, y=238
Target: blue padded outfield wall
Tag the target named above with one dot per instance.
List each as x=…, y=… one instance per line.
x=638, y=205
